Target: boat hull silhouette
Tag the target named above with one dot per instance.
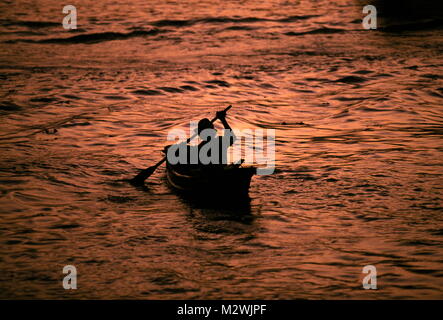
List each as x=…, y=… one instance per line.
x=221, y=182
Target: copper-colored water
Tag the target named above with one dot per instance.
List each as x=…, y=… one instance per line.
x=358, y=117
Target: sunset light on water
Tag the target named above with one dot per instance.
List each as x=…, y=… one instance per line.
x=357, y=116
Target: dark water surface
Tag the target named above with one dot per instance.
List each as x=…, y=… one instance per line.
x=359, y=123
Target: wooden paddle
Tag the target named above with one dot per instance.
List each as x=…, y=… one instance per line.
x=146, y=173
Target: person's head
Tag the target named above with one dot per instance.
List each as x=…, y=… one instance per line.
x=204, y=124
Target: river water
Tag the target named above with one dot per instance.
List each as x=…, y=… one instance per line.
x=358, y=117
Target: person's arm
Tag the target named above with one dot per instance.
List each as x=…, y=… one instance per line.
x=221, y=115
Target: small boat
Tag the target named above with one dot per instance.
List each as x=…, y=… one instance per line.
x=208, y=182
